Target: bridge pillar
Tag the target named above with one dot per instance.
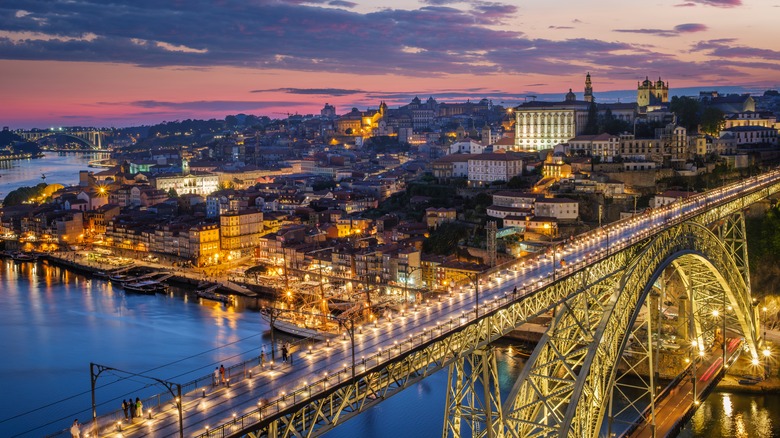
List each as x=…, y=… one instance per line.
x=732, y=233
x=473, y=396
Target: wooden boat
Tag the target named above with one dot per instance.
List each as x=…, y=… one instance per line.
x=149, y=287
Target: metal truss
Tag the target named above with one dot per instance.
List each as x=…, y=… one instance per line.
x=566, y=387
x=470, y=376
x=318, y=412
x=734, y=236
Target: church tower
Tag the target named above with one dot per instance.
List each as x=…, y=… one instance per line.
x=588, y=89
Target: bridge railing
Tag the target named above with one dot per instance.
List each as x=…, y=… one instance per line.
x=165, y=400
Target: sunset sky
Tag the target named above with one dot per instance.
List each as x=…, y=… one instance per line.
x=127, y=62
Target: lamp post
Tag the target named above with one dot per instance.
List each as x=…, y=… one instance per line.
x=766, y=349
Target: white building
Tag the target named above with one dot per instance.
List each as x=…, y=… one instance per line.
x=558, y=208
x=486, y=168
x=604, y=146
x=200, y=183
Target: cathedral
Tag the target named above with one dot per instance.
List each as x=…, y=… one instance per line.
x=651, y=95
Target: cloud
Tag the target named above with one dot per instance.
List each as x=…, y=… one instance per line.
x=690, y=27
x=679, y=29
x=560, y=27
x=441, y=38
x=719, y=3
x=204, y=105
x=314, y=91
x=657, y=32
x=342, y=3
x=727, y=48
x=685, y=5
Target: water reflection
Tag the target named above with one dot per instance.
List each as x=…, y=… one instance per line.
x=726, y=414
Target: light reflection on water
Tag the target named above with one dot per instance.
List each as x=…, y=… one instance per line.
x=54, y=323
x=726, y=415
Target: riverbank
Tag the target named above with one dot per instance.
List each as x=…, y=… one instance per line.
x=182, y=276
x=768, y=386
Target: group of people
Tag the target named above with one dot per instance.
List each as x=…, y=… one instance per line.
x=132, y=409
x=219, y=375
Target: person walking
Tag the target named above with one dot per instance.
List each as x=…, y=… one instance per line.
x=75, y=429
x=216, y=376
x=125, y=407
x=132, y=408
x=222, y=374
x=262, y=358
x=139, y=408
x=284, y=353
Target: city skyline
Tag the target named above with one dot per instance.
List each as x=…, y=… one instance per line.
x=85, y=63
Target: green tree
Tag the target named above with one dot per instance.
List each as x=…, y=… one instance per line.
x=173, y=193
x=444, y=240
x=687, y=110
x=22, y=194
x=712, y=120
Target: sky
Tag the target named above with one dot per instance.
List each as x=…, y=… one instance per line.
x=128, y=62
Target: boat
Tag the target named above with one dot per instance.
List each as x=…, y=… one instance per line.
x=149, y=287
x=214, y=296
x=23, y=257
x=120, y=278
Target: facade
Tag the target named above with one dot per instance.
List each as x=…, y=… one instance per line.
x=204, y=244
x=559, y=208
x=604, y=146
x=484, y=169
x=751, y=135
x=437, y=216
x=451, y=166
x=651, y=94
x=240, y=231
x=543, y=125
x=195, y=183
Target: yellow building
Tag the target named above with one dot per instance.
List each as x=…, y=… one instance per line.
x=204, y=244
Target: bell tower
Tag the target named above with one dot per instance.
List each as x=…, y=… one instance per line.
x=588, y=89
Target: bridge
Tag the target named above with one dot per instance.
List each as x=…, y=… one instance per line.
x=606, y=287
x=92, y=137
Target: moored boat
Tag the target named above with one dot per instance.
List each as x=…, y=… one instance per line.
x=149, y=287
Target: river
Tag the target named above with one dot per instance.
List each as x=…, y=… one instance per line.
x=54, y=323
x=59, y=167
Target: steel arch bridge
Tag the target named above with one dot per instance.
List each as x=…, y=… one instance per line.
x=603, y=301
x=566, y=388
x=92, y=137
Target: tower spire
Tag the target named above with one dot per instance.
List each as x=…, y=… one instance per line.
x=588, y=89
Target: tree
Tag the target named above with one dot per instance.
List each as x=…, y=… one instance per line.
x=592, y=125
x=687, y=110
x=444, y=239
x=225, y=185
x=173, y=193
x=712, y=120
x=22, y=194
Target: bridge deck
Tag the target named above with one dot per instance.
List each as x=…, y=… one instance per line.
x=329, y=366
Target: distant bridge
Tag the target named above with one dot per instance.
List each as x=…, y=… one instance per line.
x=93, y=137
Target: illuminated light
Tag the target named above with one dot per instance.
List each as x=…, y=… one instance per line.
x=715, y=313
x=755, y=361
x=767, y=352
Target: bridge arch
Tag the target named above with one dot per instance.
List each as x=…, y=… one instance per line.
x=565, y=388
